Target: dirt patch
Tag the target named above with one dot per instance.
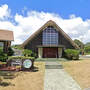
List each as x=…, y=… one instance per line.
x=80, y=71
x=27, y=80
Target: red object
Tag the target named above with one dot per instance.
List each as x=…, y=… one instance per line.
x=50, y=52
x=9, y=68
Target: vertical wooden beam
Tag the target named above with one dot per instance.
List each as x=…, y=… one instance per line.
x=7, y=44
x=5, y=47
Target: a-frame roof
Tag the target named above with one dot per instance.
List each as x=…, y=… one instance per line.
x=50, y=23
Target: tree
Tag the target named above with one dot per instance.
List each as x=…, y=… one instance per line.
x=87, y=49
x=79, y=43
x=87, y=44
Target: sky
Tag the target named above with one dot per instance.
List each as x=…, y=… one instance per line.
x=24, y=17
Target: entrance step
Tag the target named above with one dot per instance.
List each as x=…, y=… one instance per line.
x=53, y=65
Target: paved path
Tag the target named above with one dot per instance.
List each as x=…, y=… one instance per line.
x=84, y=56
x=58, y=79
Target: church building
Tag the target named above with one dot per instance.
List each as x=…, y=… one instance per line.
x=49, y=41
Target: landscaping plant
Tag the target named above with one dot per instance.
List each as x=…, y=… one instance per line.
x=10, y=51
x=3, y=56
x=27, y=53
x=72, y=54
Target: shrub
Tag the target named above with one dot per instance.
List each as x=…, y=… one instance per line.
x=20, y=57
x=34, y=55
x=72, y=54
x=27, y=52
x=10, y=51
x=3, y=56
x=17, y=47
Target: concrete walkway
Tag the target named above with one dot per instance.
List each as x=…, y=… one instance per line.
x=84, y=57
x=58, y=79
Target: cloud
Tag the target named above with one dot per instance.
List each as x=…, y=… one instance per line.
x=4, y=11
x=24, y=26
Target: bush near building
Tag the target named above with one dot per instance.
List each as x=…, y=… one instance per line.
x=29, y=53
x=10, y=51
x=72, y=54
x=3, y=56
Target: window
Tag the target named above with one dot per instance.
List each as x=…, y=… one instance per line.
x=50, y=36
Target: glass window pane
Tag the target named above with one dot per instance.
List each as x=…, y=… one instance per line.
x=50, y=36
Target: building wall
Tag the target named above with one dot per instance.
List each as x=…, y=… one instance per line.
x=65, y=42
x=32, y=45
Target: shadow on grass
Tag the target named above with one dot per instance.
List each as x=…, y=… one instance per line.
x=35, y=69
x=7, y=74
x=4, y=84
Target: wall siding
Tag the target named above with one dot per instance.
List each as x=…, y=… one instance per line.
x=32, y=45
x=65, y=42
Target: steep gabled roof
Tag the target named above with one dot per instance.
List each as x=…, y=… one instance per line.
x=50, y=23
x=6, y=35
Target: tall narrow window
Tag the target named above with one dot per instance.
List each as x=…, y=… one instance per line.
x=50, y=36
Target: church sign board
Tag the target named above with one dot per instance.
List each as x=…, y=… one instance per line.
x=25, y=64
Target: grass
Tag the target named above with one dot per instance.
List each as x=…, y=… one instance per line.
x=88, y=53
x=27, y=80
x=80, y=71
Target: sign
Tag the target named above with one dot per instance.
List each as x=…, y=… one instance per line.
x=16, y=63
x=27, y=63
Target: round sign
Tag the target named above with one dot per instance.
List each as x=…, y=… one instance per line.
x=27, y=63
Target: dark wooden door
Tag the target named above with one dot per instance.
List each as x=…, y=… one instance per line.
x=50, y=52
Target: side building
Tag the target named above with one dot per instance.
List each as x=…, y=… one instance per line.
x=5, y=39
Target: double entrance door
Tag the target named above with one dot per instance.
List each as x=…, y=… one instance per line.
x=50, y=52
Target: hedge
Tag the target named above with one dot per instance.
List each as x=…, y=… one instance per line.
x=20, y=57
x=72, y=54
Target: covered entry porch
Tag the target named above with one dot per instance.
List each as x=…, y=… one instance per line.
x=50, y=51
x=4, y=45
x=5, y=39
